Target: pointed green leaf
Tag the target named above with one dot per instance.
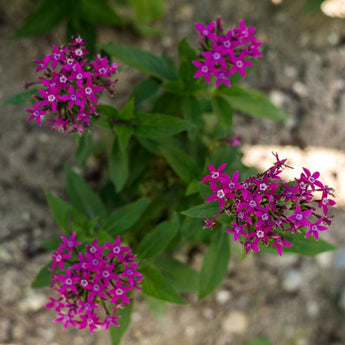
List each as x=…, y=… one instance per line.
x=106, y=116
x=251, y=102
x=142, y=60
x=200, y=211
x=144, y=91
x=124, y=133
x=118, y=166
x=184, y=165
x=186, y=68
x=127, y=112
x=182, y=277
x=116, y=333
x=98, y=13
x=82, y=197
x=64, y=213
x=223, y=111
x=125, y=217
x=158, y=239
x=193, y=114
x=85, y=147
x=21, y=98
x=147, y=11
x=155, y=285
x=302, y=246
x=43, y=277
x=48, y=15
x=215, y=264
x=158, y=125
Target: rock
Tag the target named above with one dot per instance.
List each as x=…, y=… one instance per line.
x=325, y=259
x=236, y=323
x=313, y=308
x=32, y=301
x=292, y=280
x=339, y=260
x=223, y=296
x=277, y=97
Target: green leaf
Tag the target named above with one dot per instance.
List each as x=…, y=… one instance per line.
x=193, y=188
x=158, y=125
x=215, y=264
x=193, y=114
x=155, y=285
x=158, y=239
x=98, y=13
x=82, y=197
x=145, y=90
x=43, y=277
x=21, y=98
x=116, y=333
x=124, y=133
x=125, y=217
x=251, y=102
x=48, y=15
x=168, y=103
x=206, y=209
x=300, y=245
x=118, y=166
x=85, y=147
x=127, y=112
x=147, y=11
x=107, y=116
x=312, y=6
x=142, y=60
x=186, y=68
x=223, y=111
x=182, y=277
x=261, y=341
x=184, y=165
x=64, y=213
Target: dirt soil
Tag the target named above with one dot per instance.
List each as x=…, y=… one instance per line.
x=290, y=300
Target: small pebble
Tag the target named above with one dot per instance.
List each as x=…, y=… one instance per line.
x=223, y=296
x=292, y=280
x=236, y=322
x=339, y=260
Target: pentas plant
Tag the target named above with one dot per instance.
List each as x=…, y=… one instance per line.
x=151, y=155
x=92, y=283
x=71, y=86
x=225, y=53
x=263, y=208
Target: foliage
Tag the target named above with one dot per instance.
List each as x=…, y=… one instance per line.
x=172, y=127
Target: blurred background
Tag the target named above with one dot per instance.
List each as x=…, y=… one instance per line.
x=264, y=300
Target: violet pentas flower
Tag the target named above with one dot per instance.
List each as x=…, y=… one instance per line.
x=225, y=53
x=263, y=208
x=91, y=284
x=71, y=86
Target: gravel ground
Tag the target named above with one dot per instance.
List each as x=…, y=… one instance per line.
x=290, y=300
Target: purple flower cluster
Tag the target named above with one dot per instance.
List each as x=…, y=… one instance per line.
x=70, y=86
x=223, y=54
x=92, y=285
x=263, y=207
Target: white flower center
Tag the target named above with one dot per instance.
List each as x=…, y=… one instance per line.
x=205, y=32
x=79, y=76
x=78, y=52
x=51, y=98
x=88, y=91
x=216, y=56
x=227, y=44
x=215, y=174
x=220, y=194
x=263, y=186
x=102, y=70
x=116, y=250
x=119, y=292
x=68, y=281
x=260, y=234
x=299, y=216
x=252, y=203
x=314, y=227
x=324, y=201
x=204, y=69
x=63, y=79
x=239, y=64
